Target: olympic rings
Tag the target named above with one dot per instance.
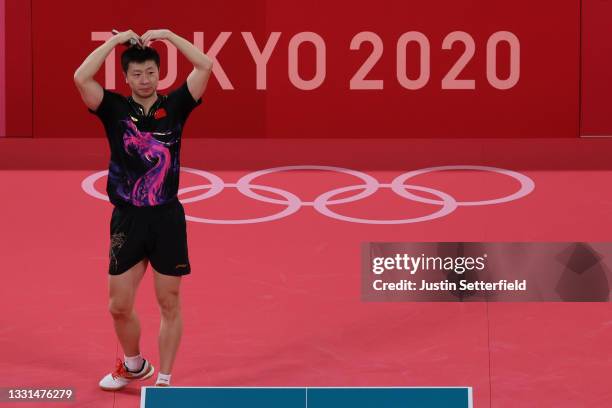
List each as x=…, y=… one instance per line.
x=321, y=203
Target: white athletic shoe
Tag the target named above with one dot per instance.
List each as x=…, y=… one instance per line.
x=122, y=377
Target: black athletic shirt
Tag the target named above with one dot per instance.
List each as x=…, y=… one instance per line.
x=144, y=163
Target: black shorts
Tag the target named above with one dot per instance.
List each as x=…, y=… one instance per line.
x=158, y=233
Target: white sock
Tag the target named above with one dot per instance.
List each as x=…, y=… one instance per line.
x=163, y=378
x=134, y=364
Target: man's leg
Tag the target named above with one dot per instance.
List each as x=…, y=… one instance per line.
x=171, y=327
x=122, y=292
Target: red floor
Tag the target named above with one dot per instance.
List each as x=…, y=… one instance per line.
x=278, y=303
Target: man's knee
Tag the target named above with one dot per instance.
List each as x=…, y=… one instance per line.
x=169, y=305
x=123, y=290
x=120, y=309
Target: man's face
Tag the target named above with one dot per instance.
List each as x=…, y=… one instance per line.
x=142, y=77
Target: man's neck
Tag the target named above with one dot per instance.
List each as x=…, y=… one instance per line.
x=145, y=102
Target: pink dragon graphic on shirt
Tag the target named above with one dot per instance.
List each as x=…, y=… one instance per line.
x=147, y=189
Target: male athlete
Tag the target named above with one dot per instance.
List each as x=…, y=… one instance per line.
x=148, y=222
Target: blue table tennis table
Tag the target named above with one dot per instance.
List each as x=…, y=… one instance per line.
x=306, y=397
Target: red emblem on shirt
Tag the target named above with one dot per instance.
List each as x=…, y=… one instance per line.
x=160, y=113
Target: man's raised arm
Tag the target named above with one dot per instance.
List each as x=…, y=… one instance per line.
x=91, y=91
x=202, y=64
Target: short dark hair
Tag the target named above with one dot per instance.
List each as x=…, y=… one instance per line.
x=137, y=54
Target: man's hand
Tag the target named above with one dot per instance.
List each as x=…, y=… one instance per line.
x=153, y=35
x=125, y=37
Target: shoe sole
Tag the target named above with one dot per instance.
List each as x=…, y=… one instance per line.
x=144, y=377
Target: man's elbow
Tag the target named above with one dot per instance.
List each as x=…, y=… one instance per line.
x=79, y=78
x=206, y=65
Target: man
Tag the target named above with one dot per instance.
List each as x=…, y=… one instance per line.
x=148, y=222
